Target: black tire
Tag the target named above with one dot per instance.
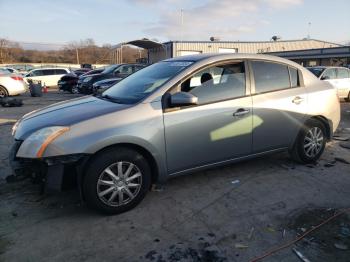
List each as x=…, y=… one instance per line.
x=96, y=170
x=348, y=98
x=74, y=90
x=299, y=152
x=3, y=92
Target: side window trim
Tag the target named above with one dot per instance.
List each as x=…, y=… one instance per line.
x=252, y=79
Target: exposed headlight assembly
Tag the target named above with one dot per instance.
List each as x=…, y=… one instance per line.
x=34, y=146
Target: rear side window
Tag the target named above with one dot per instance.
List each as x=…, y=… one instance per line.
x=270, y=76
x=49, y=72
x=343, y=73
x=294, y=77
x=60, y=72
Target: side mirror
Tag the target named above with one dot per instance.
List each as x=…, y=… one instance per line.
x=116, y=72
x=183, y=99
x=325, y=78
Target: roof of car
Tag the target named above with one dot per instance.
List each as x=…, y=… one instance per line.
x=324, y=67
x=217, y=57
x=50, y=68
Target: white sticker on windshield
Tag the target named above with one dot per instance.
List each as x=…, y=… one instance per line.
x=181, y=64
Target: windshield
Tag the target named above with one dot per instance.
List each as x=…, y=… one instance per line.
x=317, y=71
x=142, y=83
x=109, y=69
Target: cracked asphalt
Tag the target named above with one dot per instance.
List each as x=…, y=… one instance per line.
x=234, y=213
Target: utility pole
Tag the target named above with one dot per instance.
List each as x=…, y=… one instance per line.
x=77, y=53
x=182, y=24
x=308, y=30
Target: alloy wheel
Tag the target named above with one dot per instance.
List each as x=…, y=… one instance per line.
x=313, y=141
x=119, y=183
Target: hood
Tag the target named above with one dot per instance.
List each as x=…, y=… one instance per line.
x=65, y=114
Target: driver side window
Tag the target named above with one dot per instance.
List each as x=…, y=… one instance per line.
x=216, y=83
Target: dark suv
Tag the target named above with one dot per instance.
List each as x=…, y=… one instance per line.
x=85, y=83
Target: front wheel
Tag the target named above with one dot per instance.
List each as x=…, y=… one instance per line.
x=116, y=180
x=310, y=143
x=74, y=90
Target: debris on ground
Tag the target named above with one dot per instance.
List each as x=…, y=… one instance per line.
x=157, y=188
x=341, y=246
x=341, y=138
x=330, y=164
x=181, y=252
x=251, y=232
x=345, y=145
x=240, y=246
x=235, y=181
x=331, y=241
x=300, y=255
x=11, y=102
x=342, y=160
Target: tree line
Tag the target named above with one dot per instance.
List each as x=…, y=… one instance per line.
x=77, y=52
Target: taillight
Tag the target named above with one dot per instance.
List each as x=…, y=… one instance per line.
x=17, y=78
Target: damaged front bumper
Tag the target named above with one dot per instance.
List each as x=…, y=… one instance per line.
x=55, y=173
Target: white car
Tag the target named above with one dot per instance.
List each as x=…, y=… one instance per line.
x=11, y=84
x=338, y=77
x=11, y=70
x=47, y=76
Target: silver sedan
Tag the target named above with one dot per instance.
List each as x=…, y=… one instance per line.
x=176, y=117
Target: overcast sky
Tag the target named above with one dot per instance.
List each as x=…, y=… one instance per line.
x=108, y=21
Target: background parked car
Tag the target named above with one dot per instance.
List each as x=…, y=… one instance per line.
x=338, y=77
x=70, y=80
x=23, y=69
x=11, y=84
x=47, y=76
x=103, y=85
x=113, y=71
x=11, y=70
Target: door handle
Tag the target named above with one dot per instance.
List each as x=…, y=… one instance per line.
x=297, y=100
x=241, y=112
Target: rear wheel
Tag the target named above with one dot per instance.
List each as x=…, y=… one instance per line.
x=3, y=92
x=310, y=142
x=116, y=180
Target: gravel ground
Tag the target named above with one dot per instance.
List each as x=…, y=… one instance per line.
x=234, y=213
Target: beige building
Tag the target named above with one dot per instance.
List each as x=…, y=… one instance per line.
x=180, y=48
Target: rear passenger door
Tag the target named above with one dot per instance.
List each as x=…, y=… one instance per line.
x=279, y=105
x=49, y=77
